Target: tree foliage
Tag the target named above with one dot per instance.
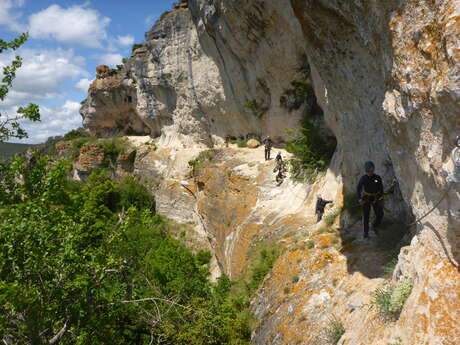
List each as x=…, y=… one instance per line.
x=10, y=126
x=90, y=263
x=312, y=149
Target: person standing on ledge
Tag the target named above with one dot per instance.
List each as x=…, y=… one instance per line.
x=320, y=205
x=268, y=146
x=370, y=193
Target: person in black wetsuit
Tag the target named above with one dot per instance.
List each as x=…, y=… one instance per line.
x=320, y=205
x=370, y=193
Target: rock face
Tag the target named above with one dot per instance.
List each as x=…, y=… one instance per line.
x=188, y=89
x=385, y=74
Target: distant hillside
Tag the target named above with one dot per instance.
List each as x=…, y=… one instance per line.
x=8, y=150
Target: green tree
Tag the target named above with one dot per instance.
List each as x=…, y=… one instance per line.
x=90, y=263
x=10, y=126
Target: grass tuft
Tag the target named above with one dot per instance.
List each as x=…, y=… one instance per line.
x=334, y=331
x=390, y=299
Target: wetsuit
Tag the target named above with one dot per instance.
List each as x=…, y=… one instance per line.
x=320, y=205
x=370, y=189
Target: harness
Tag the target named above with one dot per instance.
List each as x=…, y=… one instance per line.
x=369, y=194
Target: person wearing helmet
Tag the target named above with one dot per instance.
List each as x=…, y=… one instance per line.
x=320, y=205
x=268, y=146
x=370, y=193
x=279, y=158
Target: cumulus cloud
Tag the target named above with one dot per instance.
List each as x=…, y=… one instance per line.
x=8, y=17
x=42, y=74
x=76, y=24
x=111, y=59
x=127, y=40
x=83, y=84
x=54, y=121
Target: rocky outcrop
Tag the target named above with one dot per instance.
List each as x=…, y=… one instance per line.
x=385, y=77
x=91, y=156
x=187, y=87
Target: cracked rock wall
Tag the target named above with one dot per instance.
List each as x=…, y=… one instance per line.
x=386, y=76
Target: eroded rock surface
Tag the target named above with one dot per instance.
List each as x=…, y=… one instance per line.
x=385, y=74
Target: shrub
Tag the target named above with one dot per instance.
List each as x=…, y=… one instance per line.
x=103, y=268
x=310, y=244
x=390, y=299
x=78, y=143
x=76, y=134
x=133, y=193
x=113, y=147
x=242, y=143
x=136, y=46
x=312, y=151
x=332, y=215
x=334, y=331
x=260, y=269
x=295, y=279
x=203, y=160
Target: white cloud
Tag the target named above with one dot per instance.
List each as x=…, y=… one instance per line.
x=76, y=24
x=54, y=121
x=8, y=17
x=127, y=40
x=42, y=75
x=83, y=84
x=111, y=59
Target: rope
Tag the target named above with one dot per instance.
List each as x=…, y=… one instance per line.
x=430, y=211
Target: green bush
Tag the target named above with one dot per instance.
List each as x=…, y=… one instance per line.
x=76, y=134
x=242, y=143
x=260, y=269
x=70, y=256
x=332, y=215
x=136, y=46
x=334, y=331
x=113, y=147
x=78, y=143
x=390, y=299
x=202, y=161
x=312, y=151
x=132, y=193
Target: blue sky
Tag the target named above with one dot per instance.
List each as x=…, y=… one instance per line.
x=68, y=39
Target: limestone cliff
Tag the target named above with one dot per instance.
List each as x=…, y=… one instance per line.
x=385, y=74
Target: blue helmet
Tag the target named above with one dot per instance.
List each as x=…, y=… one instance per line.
x=369, y=167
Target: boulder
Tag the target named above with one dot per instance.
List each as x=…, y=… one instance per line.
x=253, y=143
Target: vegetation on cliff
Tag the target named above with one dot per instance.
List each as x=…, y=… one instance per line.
x=90, y=263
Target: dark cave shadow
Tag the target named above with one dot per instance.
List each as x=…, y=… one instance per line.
x=371, y=256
